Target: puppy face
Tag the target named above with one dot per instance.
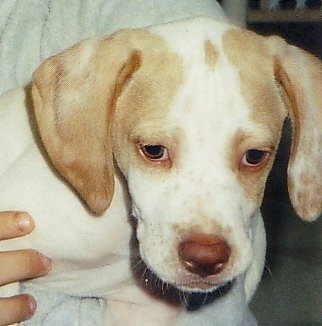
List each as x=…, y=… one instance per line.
x=196, y=152
x=191, y=113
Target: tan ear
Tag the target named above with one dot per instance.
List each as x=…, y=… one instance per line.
x=300, y=74
x=74, y=94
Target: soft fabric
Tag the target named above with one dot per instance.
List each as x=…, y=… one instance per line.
x=32, y=30
x=63, y=310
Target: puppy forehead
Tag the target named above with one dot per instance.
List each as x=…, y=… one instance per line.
x=196, y=39
x=228, y=68
x=210, y=85
x=225, y=72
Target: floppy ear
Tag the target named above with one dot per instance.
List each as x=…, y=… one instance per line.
x=300, y=75
x=74, y=94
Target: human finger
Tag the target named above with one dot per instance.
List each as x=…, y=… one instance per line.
x=15, y=224
x=16, y=309
x=21, y=265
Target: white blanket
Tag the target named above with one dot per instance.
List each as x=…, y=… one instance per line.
x=32, y=30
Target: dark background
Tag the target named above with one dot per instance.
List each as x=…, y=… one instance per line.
x=291, y=289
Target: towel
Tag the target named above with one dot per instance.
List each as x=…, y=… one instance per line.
x=59, y=309
x=32, y=30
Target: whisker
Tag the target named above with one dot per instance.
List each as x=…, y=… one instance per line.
x=267, y=267
x=204, y=301
x=164, y=286
x=137, y=265
x=184, y=298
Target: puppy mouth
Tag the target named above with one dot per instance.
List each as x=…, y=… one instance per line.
x=193, y=300
x=204, y=286
x=192, y=295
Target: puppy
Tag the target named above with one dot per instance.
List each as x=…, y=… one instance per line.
x=176, y=125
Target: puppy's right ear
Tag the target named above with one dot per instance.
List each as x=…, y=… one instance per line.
x=74, y=95
x=300, y=76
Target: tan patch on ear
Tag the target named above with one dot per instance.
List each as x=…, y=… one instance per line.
x=300, y=75
x=210, y=54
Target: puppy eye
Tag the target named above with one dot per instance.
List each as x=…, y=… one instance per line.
x=154, y=152
x=254, y=157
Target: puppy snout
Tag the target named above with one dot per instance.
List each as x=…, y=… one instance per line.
x=204, y=258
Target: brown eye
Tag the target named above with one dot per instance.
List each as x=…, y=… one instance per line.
x=154, y=152
x=254, y=157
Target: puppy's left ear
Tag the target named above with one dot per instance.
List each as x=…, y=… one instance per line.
x=300, y=75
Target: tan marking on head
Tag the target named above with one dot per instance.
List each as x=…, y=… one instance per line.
x=250, y=54
x=210, y=54
x=143, y=104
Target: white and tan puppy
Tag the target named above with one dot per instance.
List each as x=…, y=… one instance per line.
x=177, y=125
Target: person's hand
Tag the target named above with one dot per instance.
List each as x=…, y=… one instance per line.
x=18, y=265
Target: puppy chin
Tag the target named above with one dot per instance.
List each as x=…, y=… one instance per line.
x=188, y=283
x=204, y=287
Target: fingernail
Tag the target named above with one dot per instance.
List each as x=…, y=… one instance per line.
x=23, y=221
x=32, y=305
x=46, y=261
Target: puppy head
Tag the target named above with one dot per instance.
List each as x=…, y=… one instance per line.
x=191, y=113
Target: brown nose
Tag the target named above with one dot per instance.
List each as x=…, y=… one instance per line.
x=204, y=258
